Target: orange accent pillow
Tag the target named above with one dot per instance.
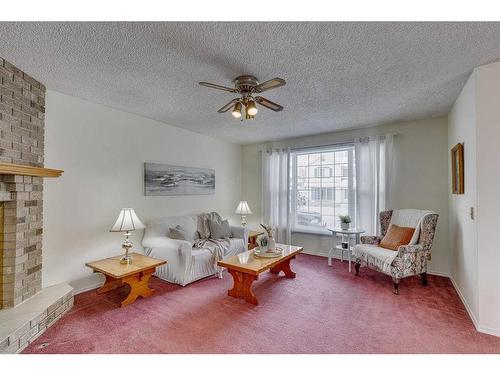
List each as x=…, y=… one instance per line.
x=396, y=236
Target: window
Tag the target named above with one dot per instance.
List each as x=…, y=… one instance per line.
x=322, y=193
x=323, y=172
x=322, y=187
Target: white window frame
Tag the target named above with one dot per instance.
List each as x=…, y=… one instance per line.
x=293, y=184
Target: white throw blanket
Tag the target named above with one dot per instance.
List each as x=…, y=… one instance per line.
x=218, y=247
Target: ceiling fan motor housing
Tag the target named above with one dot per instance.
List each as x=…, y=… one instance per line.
x=245, y=84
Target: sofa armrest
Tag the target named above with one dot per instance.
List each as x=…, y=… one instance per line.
x=240, y=232
x=181, y=246
x=370, y=240
x=406, y=249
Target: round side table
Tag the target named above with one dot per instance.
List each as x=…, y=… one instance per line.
x=349, y=236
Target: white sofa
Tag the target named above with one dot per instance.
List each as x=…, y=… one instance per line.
x=186, y=263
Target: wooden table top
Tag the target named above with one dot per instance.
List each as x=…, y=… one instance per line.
x=112, y=266
x=247, y=263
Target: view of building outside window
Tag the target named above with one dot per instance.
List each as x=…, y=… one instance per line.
x=323, y=187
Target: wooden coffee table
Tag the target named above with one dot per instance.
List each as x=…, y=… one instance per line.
x=136, y=274
x=245, y=269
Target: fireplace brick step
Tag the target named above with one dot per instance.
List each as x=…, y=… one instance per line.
x=22, y=324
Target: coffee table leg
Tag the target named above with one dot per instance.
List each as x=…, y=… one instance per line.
x=138, y=286
x=242, y=286
x=110, y=284
x=285, y=267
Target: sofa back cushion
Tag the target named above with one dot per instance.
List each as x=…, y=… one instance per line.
x=219, y=229
x=396, y=236
x=410, y=217
x=160, y=227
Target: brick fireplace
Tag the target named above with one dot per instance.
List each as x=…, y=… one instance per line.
x=24, y=306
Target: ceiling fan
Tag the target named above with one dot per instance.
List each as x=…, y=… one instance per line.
x=247, y=87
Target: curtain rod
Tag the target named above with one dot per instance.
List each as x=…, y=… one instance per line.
x=348, y=143
x=345, y=143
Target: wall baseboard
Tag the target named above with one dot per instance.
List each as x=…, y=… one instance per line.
x=325, y=255
x=85, y=284
x=489, y=330
x=439, y=273
x=466, y=304
x=309, y=252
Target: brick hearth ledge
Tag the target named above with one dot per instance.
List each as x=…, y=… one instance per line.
x=21, y=325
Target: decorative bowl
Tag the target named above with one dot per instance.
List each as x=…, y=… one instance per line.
x=261, y=252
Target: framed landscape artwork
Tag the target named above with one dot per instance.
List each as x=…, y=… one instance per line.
x=457, y=169
x=164, y=179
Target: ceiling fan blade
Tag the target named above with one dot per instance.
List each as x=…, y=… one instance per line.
x=269, y=85
x=268, y=104
x=218, y=87
x=228, y=106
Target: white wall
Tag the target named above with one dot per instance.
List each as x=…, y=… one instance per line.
x=463, y=245
x=421, y=154
x=488, y=195
x=475, y=120
x=102, y=152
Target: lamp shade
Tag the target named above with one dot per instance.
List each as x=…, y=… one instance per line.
x=127, y=221
x=243, y=209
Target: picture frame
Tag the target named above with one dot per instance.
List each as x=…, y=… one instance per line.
x=166, y=179
x=457, y=169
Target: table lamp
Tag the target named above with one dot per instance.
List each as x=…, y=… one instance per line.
x=243, y=209
x=127, y=221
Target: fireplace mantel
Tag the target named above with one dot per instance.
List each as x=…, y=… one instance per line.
x=26, y=170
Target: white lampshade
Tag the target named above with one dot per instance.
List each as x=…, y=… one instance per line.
x=243, y=209
x=127, y=221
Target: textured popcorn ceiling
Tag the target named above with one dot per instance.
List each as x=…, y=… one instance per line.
x=339, y=75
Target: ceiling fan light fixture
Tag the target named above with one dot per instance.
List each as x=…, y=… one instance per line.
x=251, y=108
x=237, y=110
x=246, y=86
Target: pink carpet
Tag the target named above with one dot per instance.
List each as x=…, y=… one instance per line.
x=323, y=310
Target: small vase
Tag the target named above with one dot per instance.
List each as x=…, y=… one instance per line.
x=271, y=244
x=344, y=226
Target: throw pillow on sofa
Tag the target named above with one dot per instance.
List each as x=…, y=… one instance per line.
x=219, y=229
x=204, y=225
x=178, y=233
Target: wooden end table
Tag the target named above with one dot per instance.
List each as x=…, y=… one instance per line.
x=135, y=274
x=245, y=269
x=252, y=238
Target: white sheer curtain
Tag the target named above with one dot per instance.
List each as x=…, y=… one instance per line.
x=373, y=180
x=275, y=192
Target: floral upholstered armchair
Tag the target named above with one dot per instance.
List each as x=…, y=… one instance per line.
x=407, y=260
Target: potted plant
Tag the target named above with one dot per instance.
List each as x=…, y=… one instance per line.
x=345, y=221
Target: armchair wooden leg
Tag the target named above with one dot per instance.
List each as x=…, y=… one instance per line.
x=424, y=278
x=356, y=268
x=395, y=284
